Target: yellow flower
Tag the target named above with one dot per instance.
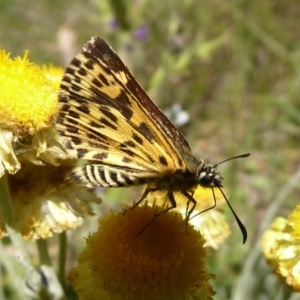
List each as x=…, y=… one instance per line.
x=211, y=223
x=28, y=98
x=54, y=74
x=281, y=247
x=28, y=105
x=44, y=203
x=166, y=261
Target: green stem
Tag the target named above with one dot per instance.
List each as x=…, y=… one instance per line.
x=54, y=288
x=43, y=252
x=62, y=258
x=1, y=281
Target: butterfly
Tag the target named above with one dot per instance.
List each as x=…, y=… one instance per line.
x=107, y=119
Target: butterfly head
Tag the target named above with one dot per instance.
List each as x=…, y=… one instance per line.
x=209, y=177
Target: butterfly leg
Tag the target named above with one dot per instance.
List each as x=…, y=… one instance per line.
x=173, y=202
x=194, y=202
x=145, y=194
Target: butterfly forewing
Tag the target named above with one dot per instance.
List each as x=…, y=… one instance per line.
x=106, y=117
x=103, y=52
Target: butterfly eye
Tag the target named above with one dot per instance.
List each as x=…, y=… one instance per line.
x=205, y=179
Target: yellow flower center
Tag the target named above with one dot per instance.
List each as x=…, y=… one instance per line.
x=166, y=261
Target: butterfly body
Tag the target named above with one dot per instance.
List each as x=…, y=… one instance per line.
x=107, y=119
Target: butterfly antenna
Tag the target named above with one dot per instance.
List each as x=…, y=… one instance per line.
x=234, y=157
x=241, y=225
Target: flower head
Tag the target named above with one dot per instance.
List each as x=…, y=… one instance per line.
x=165, y=261
x=44, y=202
x=28, y=105
x=53, y=74
x=28, y=99
x=281, y=247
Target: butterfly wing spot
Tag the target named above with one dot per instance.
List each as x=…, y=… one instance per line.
x=128, y=152
x=95, y=125
x=84, y=109
x=100, y=156
x=126, y=160
x=125, y=109
x=151, y=159
x=76, y=140
x=103, y=79
x=74, y=114
x=163, y=161
x=75, y=88
x=81, y=152
x=75, y=62
x=65, y=107
x=98, y=146
x=137, y=138
x=108, y=114
x=89, y=64
x=97, y=83
x=73, y=129
x=82, y=72
x=128, y=143
x=144, y=129
x=107, y=123
x=69, y=145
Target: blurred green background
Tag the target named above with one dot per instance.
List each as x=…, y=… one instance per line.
x=234, y=66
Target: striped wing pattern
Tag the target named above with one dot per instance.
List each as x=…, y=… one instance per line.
x=106, y=118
